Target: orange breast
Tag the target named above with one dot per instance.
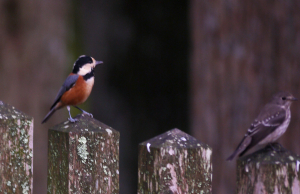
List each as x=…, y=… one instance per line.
x=78, y=93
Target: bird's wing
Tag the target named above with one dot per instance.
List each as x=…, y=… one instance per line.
x=267, y=121
x=68, y=84
x=264, y=125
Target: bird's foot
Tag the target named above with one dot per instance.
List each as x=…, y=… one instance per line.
x=277, y=147
x=72, y=120
x=86, y=113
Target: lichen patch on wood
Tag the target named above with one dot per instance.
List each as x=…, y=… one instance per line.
x=174, y=162
x=269, y=170
x=83, y=157
x=16, y=144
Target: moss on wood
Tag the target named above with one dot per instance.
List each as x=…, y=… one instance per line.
x=174, y=162
x=83, y=157
x=16, y=150
x=272, y=169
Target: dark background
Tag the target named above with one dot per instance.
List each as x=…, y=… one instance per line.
x=205, y=67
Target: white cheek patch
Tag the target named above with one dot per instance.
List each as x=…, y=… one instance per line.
x=85, y=69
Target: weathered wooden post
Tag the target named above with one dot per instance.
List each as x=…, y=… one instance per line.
x=16, y=150
x=83, y=157
x=174, y=162
x=268, y=171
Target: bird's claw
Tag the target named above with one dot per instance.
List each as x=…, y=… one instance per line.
x=277, y=147
x=72, y=120
x=86, y=113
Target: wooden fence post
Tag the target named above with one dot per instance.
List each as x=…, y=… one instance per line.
x=174, y=162
x=269, y=171
x=16, y=150
x=83, y=157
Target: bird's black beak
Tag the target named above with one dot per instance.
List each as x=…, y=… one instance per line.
x=99, y=62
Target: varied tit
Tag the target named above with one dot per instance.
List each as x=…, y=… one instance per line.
x=77, y=87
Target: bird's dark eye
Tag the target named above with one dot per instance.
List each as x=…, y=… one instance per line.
x=283, y=98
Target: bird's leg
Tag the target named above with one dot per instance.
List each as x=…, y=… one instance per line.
x=271, y=147
x=276, y=147
x=71, y=119
x=84, y=112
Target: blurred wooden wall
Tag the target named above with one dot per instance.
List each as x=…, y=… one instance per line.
x=242, y=53
x=33, y=64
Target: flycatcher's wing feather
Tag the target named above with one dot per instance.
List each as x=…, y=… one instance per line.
x=264, y=125
x=267, y=121
x=270, y=116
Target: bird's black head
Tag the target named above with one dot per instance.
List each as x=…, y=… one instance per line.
x=84, y=65
x=80, y=62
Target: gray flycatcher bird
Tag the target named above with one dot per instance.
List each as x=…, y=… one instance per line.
x=270, y=124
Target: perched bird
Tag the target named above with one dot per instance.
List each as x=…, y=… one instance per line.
x=77, y=87
x=270, y=124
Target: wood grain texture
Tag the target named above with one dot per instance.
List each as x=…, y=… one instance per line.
x=269, y=171
x=16, y=150
x=83, y=157
x=242, y=53
x=34, y=59
x=174, y=162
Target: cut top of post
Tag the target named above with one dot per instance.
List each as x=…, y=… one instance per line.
x=175, y=138
x=272, y=154
x=9, y=112
x=84, y=124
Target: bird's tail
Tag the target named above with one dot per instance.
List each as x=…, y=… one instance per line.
x=232, y=155
x=242, y=147
x=50, y=113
